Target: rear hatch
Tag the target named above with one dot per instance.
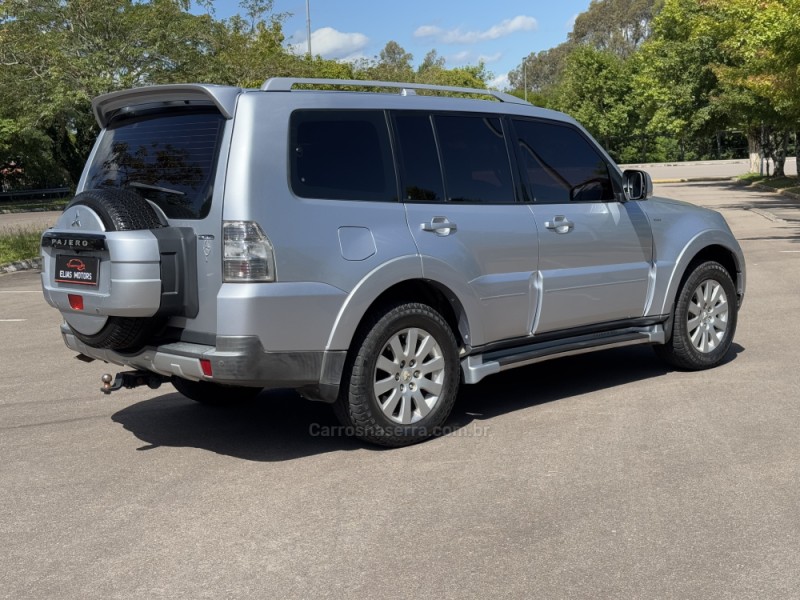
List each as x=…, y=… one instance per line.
x=122, y=262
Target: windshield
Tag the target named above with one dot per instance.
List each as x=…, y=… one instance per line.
x=167, y=157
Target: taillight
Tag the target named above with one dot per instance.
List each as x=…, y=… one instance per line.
x=248, y=254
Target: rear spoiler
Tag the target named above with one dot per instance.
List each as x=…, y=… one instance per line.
x=223, y=97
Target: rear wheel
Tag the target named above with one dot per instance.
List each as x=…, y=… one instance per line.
x=214, y=394
x=119, y=210
x=705, y=319
x=404, y=378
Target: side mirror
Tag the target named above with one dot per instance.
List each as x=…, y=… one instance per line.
x=638, y=184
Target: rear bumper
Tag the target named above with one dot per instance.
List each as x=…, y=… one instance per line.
x=235, y=360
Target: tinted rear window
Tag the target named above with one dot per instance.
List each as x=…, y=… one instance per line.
x=475, y=159
x=169, y=158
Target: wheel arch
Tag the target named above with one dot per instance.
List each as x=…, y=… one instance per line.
x=417, y=289
x=708, y=246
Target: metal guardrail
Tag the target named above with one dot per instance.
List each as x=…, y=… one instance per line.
x=39, y=194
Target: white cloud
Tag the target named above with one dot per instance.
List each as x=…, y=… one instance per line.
x=330, y=43
x=460, y=57
x=458, y=36
x=490, y=58
x=499, y=83
x=466, y=57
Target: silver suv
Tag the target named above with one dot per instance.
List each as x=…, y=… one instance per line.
x=372, y=245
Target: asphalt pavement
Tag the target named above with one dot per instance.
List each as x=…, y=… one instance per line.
x=605, y=475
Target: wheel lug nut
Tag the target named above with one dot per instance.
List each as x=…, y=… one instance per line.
x=416, y=374
x=397, y=377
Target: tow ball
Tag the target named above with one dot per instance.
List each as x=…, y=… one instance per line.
x=130, y=380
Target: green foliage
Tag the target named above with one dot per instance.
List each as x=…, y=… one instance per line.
x=616, y=26
x=56, y=55
x=19, y=244
x=594, y=90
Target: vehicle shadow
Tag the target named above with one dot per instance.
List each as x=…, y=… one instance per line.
x=279, y=425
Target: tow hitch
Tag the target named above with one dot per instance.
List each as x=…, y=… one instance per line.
x=130, y=380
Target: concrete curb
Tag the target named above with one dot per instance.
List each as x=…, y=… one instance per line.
x=692, y=179
x=766, y=188
x=21, y=265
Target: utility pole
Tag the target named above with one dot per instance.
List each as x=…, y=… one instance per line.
x=525, y=77
x=308, y=27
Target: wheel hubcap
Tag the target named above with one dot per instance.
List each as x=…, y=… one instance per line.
x=708, y=316
x=409, y=376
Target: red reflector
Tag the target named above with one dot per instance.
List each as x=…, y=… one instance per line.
x=75, y=301
x=205, y=364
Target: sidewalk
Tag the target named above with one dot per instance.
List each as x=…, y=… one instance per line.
x=705, y=170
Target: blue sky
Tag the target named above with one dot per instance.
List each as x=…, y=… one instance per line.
x=499, y=32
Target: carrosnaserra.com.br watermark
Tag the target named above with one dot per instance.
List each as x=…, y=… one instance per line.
x=472, y=430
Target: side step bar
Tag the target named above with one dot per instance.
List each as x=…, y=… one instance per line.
x=478, y=366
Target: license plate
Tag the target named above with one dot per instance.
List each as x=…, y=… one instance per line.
x=81, y=270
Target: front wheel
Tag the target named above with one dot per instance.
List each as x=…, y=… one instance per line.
x=705, y=319
x=404, y=378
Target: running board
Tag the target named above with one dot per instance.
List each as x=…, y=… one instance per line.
x=478, y=366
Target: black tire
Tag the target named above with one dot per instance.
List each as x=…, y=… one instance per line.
x=214, y=394
x=702, y=331
x=120, y=210
x=412, y=420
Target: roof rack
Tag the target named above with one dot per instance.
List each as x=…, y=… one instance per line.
x=285, y=84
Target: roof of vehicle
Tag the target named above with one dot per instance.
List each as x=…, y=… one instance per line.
x=395, y=95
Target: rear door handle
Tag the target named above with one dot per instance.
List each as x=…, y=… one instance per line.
x=440, y=226
x=560, y=224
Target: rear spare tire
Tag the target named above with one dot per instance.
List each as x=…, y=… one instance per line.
x=119, y=210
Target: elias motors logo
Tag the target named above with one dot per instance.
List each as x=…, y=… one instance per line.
x=77, y=264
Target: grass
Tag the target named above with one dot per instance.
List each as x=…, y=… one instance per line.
x=29, y=205
x=780, y=184
x=19, y=243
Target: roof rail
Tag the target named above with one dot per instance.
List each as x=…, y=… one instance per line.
x=285, y=84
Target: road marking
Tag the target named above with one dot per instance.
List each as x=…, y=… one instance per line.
x=791, y=251
x=20, y=291
x=12, y=320
x=766, y=214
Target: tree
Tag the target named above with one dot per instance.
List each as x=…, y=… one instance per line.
x=618, y=26
x=761, y=52
x=594, y=90
x=709, y=65
x=432, y=60
x=58, y=55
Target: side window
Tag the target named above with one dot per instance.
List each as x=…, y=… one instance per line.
x=342, y=155
x=420, y=171
x=475, y=159
x=560, y=165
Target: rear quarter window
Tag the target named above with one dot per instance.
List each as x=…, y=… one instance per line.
x=341, y=155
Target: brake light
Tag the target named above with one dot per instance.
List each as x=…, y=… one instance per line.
x=205, y=365
x=248, y=254
x=75, y=301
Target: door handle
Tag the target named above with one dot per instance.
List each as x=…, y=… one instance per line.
x=560, y=224
x=440, y=226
